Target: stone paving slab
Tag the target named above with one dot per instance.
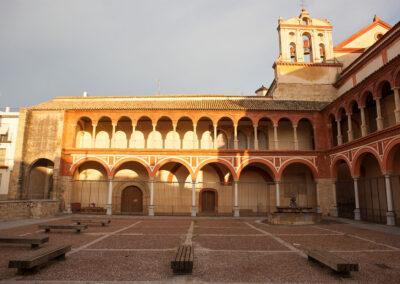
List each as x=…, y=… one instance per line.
x=138, y=242
x=157, y=230
x=225, y=231
x=250, y=243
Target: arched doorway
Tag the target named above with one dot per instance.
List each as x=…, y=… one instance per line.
x=132, y=200
x=208, y=200
x=40, y=183
x=344, y=191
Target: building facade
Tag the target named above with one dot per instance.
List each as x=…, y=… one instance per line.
x=326, y=131
x=8, y=137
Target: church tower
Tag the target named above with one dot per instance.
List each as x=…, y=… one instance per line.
x=306, y=68
x=305, y=40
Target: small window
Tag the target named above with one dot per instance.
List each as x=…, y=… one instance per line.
x=322, y=52
x=2, y=156
x=4, y=138
x=307, y=48
x=292, y=47
x=378, y=36
x=305, y=21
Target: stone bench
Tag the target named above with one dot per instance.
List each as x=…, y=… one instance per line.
x=103, y=222
x=32, y=261
x=34, y=240
x=183, y=260
x=334, y=262
x=77, y=228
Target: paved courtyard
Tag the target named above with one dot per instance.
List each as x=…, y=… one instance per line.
x=226, y=250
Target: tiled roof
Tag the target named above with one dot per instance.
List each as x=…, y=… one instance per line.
x=178, y=103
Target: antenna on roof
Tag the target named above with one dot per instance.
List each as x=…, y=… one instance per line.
x=303, y=4
x=158, y=86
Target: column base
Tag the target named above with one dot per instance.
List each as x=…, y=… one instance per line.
x=357, y=214
x=151, y=210
x=236, y=212
x=109, y=209
x=334, y=212
x=193, y=213
x=390, y=218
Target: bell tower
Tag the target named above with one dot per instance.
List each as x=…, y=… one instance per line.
x=304, y=39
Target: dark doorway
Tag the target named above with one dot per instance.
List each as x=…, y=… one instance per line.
x=208, y=201
x=132, y=200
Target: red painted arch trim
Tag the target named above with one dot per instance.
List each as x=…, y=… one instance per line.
x=75, y=166
x=335, y=163
x=217, y=161
x=307, y=163
x=388, y=157
x=117, y=166
x=172, y=160
x=355, y=170
x=264, y=162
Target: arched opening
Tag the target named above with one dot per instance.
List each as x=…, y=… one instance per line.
x=285, y=134
x=355, y=120
x=256, y=190
x=40, y=184
x=372, y=190
x=205, y=133
x=387, y=104
x=307, y=48
x=132, y=200
x=90, y=188
x=322, y=53
x=186, y=131
x=292, y=50
x=265, y=133
x=170, y=137
x=297, y=181
x=343, y=125
x=225, y=124
x=130, y=174
x=394, y=168
x=218, y=177
x=334, y=132
x=245, y=133
x=305, y=135
x=103, y=133
x=208, y=201
x=344, y=191
x=123, y=131
x=141, y=137
x=83, y=135
x=172, y=189
x=370, y=113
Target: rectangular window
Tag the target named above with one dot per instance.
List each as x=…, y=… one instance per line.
x=4, y=138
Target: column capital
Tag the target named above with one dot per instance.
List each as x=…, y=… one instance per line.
x=395, y=88
x=356, y=178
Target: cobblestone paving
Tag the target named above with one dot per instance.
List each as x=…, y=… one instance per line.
x=226, y=250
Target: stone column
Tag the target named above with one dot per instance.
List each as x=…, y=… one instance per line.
x=236, y=201
x=364, y=131
x=215, y=137
x=396, y=94
x=334, y=210
x=276, y=140
x=357, y=215
x=195, y=140
x=112, y=142
x=94, y=135
x=194, y=207
x=339, y=132
x=350, y=134
x=379, y=118
x=176, y=135
x=295, y=139
x=278, y=194
x=151, y=201
x=390, y=220
x=255, y=137
x=131, y=142
x=109, y=197
x=235, y=138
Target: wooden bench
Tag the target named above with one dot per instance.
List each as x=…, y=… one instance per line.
x=183, y=261
x=334, y=262
x=103, y=222
x=48, y=227
x=34, y=240
x=32, y=261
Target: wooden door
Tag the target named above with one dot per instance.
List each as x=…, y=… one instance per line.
x=132, y=200
x=208, y=201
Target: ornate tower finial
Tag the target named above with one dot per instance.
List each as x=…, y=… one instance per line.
x=303, y=5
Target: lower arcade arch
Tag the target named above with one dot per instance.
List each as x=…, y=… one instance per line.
x=344, y=185
x=40, y=179
x=297, y=181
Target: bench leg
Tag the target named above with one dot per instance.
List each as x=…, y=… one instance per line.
x=78, y=231
x=61, y=257
x=47, y=230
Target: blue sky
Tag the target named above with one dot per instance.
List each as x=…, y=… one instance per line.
x=118, y=47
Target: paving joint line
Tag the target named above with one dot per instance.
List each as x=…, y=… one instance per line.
x=102, y=238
